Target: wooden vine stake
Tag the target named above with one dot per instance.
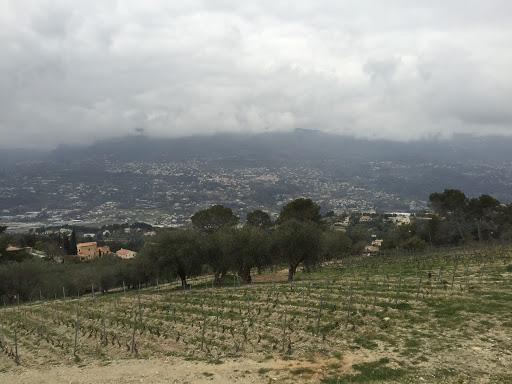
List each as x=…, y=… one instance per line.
x=16, y=355
x=319, y=316
x=77, y=331
x=349, y=305
x=133, y=346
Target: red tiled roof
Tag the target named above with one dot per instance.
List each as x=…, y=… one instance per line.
x=123, y=251
x=90, y=244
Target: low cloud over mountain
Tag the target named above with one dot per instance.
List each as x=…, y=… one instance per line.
x=74, y=72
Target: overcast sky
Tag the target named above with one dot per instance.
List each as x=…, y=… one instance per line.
x=76, y=71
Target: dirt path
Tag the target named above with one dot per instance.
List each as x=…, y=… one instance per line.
x=170, y=370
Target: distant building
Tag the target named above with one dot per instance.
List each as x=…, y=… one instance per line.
x=90, y=250
x=13, y=248
x=126, y=253
x=400, y=218
x=87, y=250
x=104, y=250
x=31, y=251
x=377, y=242
x=369, y=249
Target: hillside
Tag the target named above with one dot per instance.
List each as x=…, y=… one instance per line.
x=163, y=181
x=395, y=318
x=301, y=145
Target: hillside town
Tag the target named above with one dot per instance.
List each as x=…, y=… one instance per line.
x=166, y=194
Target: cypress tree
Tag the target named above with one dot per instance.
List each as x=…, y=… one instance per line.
x=72, y=243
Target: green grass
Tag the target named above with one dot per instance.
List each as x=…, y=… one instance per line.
x=365, y=342
x=302, y=371
x=375, y=371
x=412, y=346
x=263, y=371
x=402, y=306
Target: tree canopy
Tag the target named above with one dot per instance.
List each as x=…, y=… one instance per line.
x=214, y=218
x=176, y=252
x=302, y=210
x=296, y=242
x=259, y=218
x=246, y=248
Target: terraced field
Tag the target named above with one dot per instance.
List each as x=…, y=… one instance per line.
x=440, y=316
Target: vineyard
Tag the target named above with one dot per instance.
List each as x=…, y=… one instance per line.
x=440, y=316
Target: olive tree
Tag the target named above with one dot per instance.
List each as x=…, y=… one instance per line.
x=245, y=248
x=177, y=252
x=296, y=242
x=302, y=210
x=214, y=219
x=259, y=218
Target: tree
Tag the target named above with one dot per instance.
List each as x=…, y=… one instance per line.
x=259, y=219
x=65, y=244
x=504, y=222
x=72, y=243
x=452, y=204
x=245, y=249
x=302, y=210
x=176, y=252
x=335, y=244
x=214, y=218
x=213, y=254
x=481, y=210
x=51, y=247
x=28, y=239
x=360, y=235
x=4, y=242
x=414, y=243
x=296, y=242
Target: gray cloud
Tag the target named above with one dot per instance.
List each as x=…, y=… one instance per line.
x=76, y=71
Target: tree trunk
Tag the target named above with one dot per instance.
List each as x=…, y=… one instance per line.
x=291, y=272
x=245, y=274
x=459, y=228
x=183, y=279
x=216, y=278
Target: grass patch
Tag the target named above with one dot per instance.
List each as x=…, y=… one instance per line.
x=302, y=371
x=445, y=373
x=412, y=346
x=365, y=342
x=403, y=306
x=215, y=361
x=375, y=371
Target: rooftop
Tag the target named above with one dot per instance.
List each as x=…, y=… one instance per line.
x=89, y=244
